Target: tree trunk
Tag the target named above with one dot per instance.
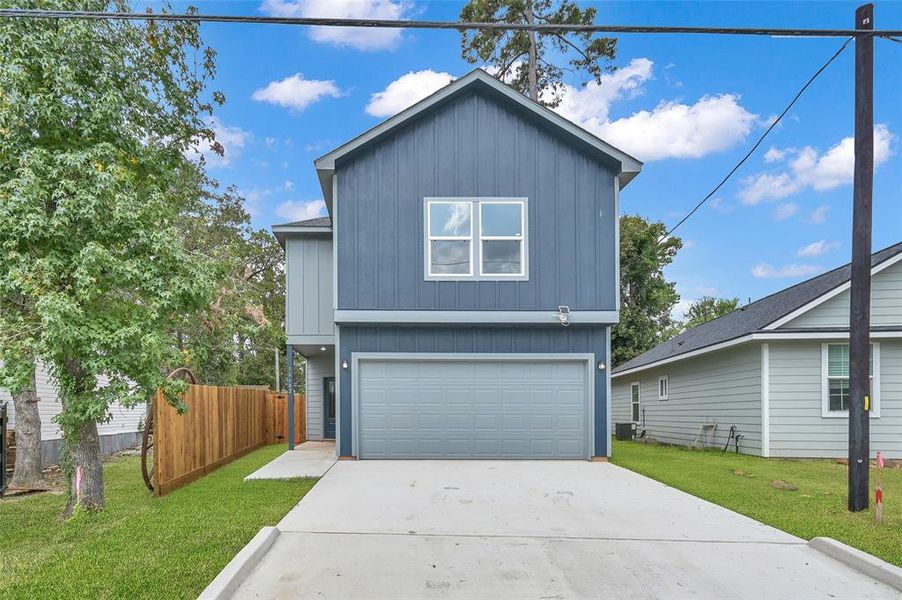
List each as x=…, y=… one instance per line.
x=86, y=485
x=533, y=78
x=28, y=472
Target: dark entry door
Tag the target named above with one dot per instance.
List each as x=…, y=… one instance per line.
x=329, y=408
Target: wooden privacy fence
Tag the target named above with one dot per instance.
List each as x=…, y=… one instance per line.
x=222, y=424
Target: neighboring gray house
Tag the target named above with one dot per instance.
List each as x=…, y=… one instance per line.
x=777, y=369
x=457, y=302
x=121, y=431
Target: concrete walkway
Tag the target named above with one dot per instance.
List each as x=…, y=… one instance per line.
x=310, y=459
x=530, y=529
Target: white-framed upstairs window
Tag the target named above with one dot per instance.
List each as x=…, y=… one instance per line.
x=663, y=387
x=476, y=239
x=449, y=232
x=835, y=380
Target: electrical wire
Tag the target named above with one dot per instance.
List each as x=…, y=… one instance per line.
x=455, y=25
x=747, y=154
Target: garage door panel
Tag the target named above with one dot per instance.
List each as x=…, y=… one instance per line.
x=480, y=408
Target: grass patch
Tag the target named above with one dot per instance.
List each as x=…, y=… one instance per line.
x=140, y=546
x=748, y=485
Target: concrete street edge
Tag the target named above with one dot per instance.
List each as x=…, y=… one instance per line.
x=862, y=562
x=234, y=573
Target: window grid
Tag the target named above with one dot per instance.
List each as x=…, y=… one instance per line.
x=517, y=238
x=836, y=374
x=447, y=238
x=476, y=239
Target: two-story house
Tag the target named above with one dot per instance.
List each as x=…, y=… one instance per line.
x=458, y=299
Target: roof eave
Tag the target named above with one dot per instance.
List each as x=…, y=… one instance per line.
x=325, y=165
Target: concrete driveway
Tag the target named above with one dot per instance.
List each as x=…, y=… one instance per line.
x=531, y=529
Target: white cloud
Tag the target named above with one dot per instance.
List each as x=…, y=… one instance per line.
x=807, y=168
x=288, y=185
x=589, y=105
x=406, y=91
x=786, y=210
x=766, y=271
x=720, y=206
x=270, y=142
x=774, y=155
x=678, y=312
x=353, y=37
x=232, y=141
x=670, y=130
x=674, y=130
x=253, y=198
x=297, y=93
x=818, y=215
x=298, y=210
x=818, y=248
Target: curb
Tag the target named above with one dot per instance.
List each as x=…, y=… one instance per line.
x=234, y=573
x=862, y=562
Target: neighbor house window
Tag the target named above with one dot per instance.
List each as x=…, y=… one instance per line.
x=634, y=398
x=476, y=238
x=835, y=367
x=663, y=387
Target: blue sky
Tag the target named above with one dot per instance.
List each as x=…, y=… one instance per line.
x=689, y=106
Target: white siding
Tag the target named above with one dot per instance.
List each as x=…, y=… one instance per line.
x=722, y=387
x=798, y=428
x=886, y=304
x=123, y=419
x=309, y=286
x=318, y=366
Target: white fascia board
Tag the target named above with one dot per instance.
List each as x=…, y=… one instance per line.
x=471, y=317
x=685, y=355
x=760, y=337
x=831, y=294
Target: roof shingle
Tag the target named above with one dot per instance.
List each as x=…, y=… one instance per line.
x=752, y=317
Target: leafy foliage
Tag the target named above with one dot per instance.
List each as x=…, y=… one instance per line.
x=95, y=120
x=646, y=297
x=508, y=52
x=233, y=340
x=708, y=308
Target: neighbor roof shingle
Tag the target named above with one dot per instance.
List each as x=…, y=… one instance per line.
x=752, y=317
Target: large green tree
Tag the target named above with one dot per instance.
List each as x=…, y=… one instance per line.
x=646, y=297
x=708, y=308
x=530, y=61
x=95, y=120
x=233, y=341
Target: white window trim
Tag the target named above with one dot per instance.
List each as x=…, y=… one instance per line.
x=476, y=238
x=513, y=238
x=447, y=238
x=665, y=379
x=638, y=402
x=825, y=384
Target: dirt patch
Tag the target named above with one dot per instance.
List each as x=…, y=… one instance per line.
x=779, y=484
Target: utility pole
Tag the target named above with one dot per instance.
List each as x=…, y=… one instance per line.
x=860, y=310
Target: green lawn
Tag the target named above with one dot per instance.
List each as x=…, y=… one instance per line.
x=743, y=484
x=140, y=546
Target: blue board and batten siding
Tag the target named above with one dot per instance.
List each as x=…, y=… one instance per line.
x=475, y=147
x=459, y=339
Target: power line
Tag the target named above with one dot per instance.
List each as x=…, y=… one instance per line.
x=749, y=153
x=455, y=25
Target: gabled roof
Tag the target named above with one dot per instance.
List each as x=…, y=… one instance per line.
x=320, y=225
x=628, y=167
x=754, y=317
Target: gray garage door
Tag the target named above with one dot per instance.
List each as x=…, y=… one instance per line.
x=478, y=408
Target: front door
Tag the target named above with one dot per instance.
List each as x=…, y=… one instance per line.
x=329, y=407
